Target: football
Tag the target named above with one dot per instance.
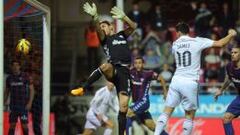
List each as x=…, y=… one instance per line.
x=23, y=46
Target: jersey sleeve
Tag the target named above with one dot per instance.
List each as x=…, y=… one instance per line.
x=228, y=67
x=204, y=42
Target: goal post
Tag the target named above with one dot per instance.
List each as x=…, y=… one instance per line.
x=29, y=26
x=46, y=63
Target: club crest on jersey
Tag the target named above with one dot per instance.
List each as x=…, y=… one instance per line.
x=118, y=42
x=235, y=80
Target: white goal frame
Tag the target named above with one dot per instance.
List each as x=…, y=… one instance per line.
x=46, y=63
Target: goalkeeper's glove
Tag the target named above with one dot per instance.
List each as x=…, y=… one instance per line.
x=91, y=10
x=117, y=13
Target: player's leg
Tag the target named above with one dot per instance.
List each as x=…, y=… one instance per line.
x=135, y=111
x=37, y=114
x=173, y=100
x=109, y=126
x=149, y=122
x=227, y=123
x=122, y=83
x=190, y=104
x=12, y=129
x=188, y=122
x=92, y=123
x=123, y=102
x=12, y=120
x=232, y=112
x=24, y=121
x=105, y=69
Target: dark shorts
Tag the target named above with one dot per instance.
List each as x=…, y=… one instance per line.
x=140, y=106
x=121, y=79
x=144, y=116
x=234, y=107
x=23, y=116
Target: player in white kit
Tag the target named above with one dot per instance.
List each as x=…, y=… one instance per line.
x=184, y=85
x=104, y=99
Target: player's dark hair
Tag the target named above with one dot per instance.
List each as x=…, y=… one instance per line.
x=106, y=22
x=139, y=58
x=182, y=27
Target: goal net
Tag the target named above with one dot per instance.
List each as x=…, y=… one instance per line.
x=27, y=19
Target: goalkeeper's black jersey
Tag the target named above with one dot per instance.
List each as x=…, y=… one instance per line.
x=116, y=48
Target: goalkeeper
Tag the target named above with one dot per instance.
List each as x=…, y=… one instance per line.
x=116, y=48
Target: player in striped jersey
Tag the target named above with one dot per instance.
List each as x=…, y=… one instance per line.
x=233, y=75
x=138, y=110
x=21, y=92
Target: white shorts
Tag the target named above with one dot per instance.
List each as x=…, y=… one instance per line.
x=92, y=122
x=185, y=91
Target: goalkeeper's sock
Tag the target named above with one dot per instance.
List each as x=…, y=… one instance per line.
x=122, y=120
x=94, y=76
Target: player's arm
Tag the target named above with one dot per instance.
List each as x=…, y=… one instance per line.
x=31, y=90
x=6, y=94
x=163, y=83
x=224, y=41
x=164, y=86
x=92, y=11
x=119, y=14
x=226, y=83
x=7, y=91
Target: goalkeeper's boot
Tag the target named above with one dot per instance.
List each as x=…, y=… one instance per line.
x=78, y=91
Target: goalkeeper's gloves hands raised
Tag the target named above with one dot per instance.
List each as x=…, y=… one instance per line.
x=91, y=10
x=117, y=13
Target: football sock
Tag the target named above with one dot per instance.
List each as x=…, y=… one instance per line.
x=161, y=123
x=187, y=126
x=122, y=120
x=94, y=76
x=228, y=128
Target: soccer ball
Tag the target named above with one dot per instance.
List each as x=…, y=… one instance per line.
x=23, y=46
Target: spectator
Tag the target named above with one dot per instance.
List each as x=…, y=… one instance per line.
x=212, y=61
x=92, y=43
x=226, y=18
x=136, y=15
x=152, y=60
x=21, y=97
x=156, y=18
x=202, y=21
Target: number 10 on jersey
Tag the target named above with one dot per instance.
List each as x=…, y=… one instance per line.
x=184, y=59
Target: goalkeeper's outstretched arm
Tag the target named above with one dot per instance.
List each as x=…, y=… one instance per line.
x=117, y=13
x=92, y=11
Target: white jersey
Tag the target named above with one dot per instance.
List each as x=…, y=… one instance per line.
x=103, y=100
x=187, y=52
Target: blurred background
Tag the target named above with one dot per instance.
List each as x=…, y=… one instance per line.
x=73, y=57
